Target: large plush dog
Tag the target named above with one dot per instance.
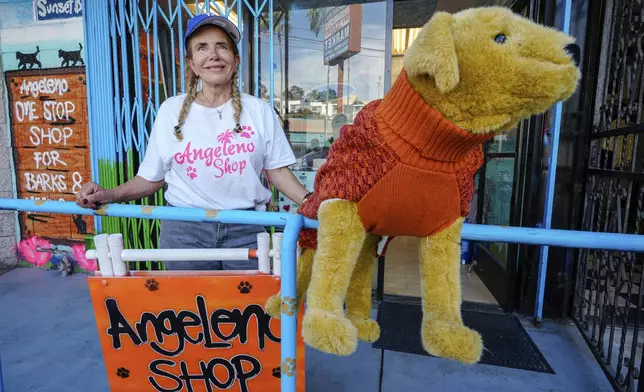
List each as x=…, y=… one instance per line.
x=406, y=166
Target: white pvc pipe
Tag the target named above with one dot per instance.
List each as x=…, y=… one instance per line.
x=179, y=254
x=277, y=254
x=263, y=250
x=103, y=255
x=115, y=242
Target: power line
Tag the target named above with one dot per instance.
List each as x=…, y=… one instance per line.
x=307, y=40
x=363, y=37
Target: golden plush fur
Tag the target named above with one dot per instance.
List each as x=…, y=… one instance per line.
x=459, y=69
x=484, y=69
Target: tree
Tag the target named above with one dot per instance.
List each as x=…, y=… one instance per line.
x=313, y=96
x=296, y=92
x=321, y=96
x=316, y=18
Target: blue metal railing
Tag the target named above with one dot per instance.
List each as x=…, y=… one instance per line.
x=294, y=223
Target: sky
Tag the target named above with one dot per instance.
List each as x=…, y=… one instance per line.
x=363, y=73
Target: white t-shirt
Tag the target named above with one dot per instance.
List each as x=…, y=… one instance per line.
x=214, y=167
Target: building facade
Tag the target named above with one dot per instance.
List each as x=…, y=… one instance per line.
x=66, y=120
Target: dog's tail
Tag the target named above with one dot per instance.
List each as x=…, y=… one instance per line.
x=37, y=49
x=81, y=45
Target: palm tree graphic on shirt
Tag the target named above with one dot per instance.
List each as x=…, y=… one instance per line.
x=225, y=137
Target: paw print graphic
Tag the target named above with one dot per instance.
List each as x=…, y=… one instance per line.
x=123, y=372
x=277, y=372
x=288, y=306
x=151, y=285
x=247, y=132
x=244, y=287
x=191, y=172
x=288, y=367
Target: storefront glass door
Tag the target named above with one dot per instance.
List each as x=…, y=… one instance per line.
x=328, y=63
x=498, y=194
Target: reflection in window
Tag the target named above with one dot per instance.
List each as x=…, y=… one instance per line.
x=503, y=143
x=328, y=64
x=499, y=179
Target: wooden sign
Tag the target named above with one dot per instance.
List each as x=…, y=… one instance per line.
x=51, y=146
x=161, y=331
x=342, y=33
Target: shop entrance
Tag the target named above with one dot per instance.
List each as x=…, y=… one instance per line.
x=328, y=63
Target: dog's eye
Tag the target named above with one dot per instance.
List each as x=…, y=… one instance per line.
x=500, y=38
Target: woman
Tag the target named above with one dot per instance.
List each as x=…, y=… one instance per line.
x=209, y=146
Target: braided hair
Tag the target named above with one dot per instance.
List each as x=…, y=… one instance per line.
x=192, y=80
x=237, y=104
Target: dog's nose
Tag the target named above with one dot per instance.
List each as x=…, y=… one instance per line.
x=574, y=51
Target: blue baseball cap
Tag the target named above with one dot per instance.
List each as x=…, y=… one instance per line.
x=205, y=19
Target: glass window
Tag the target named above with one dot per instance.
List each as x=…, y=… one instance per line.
x=499, y=179
x=503, y=143
x=328, y=64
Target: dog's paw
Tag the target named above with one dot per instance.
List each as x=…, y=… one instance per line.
x=273, y=306
x=244, y=287
x=452, y=341
x=152, y=285
x=329, y=333
x=123, y=372
x=288, y=306
x=288, y=367
x=368, y=329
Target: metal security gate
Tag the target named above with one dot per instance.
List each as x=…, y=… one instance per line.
x=136, y=61
x=608, y=296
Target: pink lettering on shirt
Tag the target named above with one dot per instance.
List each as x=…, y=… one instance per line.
x=222, y=157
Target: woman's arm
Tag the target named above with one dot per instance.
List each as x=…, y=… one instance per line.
x=92, y=195
x=285, y=182
x=137, y=188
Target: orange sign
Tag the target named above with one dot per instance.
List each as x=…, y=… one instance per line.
x=167, y=332
x=48, y=111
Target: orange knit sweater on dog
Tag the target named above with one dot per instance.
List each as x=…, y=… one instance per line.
x=407, y=167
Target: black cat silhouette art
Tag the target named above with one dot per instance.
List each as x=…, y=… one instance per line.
x=30, y=59
x=70, y=57
x=81, y=225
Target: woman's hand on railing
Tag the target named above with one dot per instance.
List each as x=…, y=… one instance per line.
x=92, y=195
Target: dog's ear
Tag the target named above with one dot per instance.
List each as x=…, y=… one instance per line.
x=433, y=53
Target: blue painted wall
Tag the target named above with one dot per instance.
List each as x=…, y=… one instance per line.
x=20, y=32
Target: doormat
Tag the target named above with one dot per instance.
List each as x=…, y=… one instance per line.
x=507, y=344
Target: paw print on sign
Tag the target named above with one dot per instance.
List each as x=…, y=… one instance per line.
x=191, y=172
x=288, y=306
x=277, y=372
x=123, y=372
x=288, y=367
x=247, y=132
x=244, y=287
x=152, y=285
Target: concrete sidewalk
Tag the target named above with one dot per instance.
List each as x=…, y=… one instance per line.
x=48, y=343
